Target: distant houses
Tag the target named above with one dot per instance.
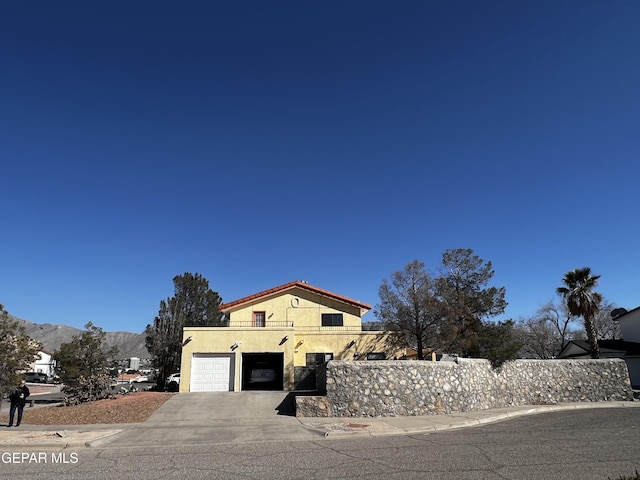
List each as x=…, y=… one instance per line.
x=44, y=364
x=627, y=347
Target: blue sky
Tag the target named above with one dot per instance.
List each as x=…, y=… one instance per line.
x=259, y=143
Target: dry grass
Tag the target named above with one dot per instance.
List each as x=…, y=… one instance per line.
x=130, y=408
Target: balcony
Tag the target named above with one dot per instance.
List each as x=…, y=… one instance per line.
x=290, y=325
x=268, y=324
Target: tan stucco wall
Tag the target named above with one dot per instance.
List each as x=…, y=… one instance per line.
x=298, y=307
x=221, y=339
x=339, y=343
x=268, y=340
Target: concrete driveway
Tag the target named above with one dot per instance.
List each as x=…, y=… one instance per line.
x=217, y=417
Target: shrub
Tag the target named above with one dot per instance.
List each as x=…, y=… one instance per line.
x=88, y=389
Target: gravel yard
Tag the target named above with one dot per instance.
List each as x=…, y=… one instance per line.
x=130, y=408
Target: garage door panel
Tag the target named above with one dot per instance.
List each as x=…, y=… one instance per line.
x=210, y=373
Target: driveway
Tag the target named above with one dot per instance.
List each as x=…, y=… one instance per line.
x=217, y=417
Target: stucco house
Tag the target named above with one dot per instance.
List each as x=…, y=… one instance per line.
x=629, y=322
x=43, y=363
x=627, y=347
x=276, y=339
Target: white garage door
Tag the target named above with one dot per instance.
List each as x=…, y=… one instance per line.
x=210, y=373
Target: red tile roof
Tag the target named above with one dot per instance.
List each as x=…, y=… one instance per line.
x=288, y=286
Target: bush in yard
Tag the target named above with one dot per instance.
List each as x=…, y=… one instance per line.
x=88, y=389
x=85, y=355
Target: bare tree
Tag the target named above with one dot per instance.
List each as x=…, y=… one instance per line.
x=544, y=334
x=606, y=326
x=447, y=312
x=409, y=307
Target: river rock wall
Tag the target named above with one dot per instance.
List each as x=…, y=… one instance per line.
x=394, y=388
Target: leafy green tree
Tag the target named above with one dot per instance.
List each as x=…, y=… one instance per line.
x=17, y=351
x=193, y=304
x=164, y=342
x=582, y=301
x=408, y=305
x=466, y=299
x=85, y=355
x=196, y=302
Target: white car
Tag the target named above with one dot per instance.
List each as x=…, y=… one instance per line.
x=173, y=381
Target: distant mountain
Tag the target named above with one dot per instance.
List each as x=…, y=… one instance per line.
x=51, y=336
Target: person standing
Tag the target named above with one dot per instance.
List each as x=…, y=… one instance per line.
x=18, y=400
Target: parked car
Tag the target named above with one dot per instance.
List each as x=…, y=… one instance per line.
x=140, y=379
x=262, y=375
x=35, y=377
x=173, y=382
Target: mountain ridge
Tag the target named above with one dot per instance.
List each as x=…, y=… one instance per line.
x=51, y=336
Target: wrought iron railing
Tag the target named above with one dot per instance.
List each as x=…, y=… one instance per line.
x=267, y=324
x=318, y=328
x=285, y=324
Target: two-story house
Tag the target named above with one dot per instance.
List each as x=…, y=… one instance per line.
x=276, y=339
x=627, y=347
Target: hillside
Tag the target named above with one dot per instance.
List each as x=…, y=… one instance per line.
x=51, y=336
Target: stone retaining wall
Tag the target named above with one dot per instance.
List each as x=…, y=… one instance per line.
x=392, y=388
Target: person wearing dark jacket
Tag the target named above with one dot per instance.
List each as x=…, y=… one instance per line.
x=18, y=399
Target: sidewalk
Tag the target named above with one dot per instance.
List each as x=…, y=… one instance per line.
x=308, y=428
x=383, y=426
x=64, y=436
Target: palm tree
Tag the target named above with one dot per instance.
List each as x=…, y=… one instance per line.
x=583, y=302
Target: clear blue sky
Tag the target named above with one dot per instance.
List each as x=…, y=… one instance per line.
x=259, y=143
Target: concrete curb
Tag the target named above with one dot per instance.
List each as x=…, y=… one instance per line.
x=61, y=439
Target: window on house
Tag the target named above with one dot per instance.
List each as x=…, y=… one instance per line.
x=332, y=320
x=258, y=319
x=315, y=359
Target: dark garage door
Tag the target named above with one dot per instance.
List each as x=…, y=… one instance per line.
x=262, y=371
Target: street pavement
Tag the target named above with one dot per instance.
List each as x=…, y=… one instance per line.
x=251, y=417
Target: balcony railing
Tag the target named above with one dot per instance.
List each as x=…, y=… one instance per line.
x=319, y=328
x=285, y=324
x=268, y=324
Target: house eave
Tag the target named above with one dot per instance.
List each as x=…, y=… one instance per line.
x=241, y=302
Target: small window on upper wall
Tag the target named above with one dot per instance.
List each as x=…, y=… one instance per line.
x=332, y=320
